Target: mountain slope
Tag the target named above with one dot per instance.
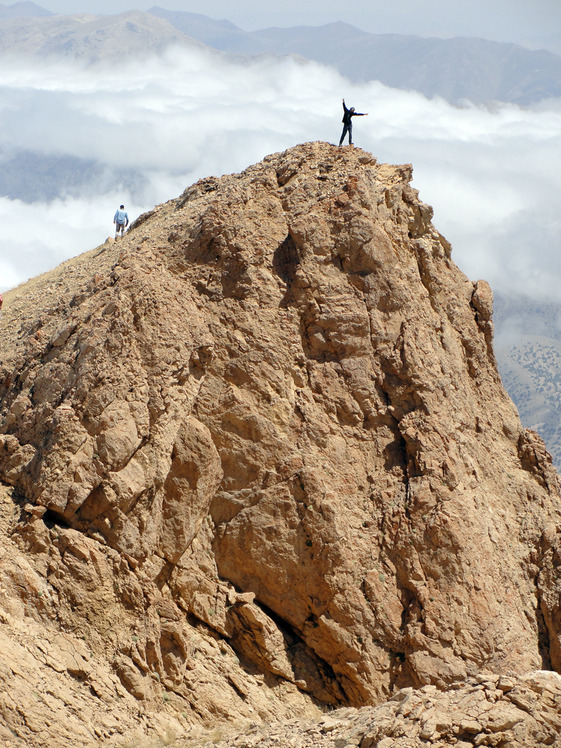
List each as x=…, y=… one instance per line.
x=531, y=371
x=485, y=711
x=23, y=10
x=529, y=357
x=455, y=69
x=257, y=460
x=89, y=37
x=219, y=34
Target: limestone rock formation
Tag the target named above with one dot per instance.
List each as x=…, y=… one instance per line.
x=257, y=460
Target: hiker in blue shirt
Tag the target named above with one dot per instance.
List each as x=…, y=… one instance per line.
x=347, y=122
x=121, y=221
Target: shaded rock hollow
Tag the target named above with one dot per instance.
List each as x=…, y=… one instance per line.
x=261, y=459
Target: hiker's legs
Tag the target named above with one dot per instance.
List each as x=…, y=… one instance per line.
x=347, y=129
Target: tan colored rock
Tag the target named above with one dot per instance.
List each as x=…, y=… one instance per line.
x=194, y=476
x=271, y=457
x=462, y=717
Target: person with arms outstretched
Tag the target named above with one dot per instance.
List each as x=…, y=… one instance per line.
x=348, y=114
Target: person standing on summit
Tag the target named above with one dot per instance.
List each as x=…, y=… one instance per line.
x=347, y=122
x=121, y=221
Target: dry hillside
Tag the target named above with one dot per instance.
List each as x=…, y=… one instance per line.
x=256, y=465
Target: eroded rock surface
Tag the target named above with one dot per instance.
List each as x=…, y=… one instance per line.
x=485, y=711
x=261, y=459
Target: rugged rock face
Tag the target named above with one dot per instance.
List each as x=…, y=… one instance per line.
x=487, y=711
x=261, y=459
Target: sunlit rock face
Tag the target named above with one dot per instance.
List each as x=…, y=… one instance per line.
x=262, y=459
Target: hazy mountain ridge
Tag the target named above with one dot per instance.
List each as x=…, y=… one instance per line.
x=457, y=69
x=35, y=177
x=89, y=37
x=531, y=372
x=23, y=10
x=528, y=349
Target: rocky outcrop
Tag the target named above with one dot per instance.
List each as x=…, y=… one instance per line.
x=261, y=458
x=486, y=710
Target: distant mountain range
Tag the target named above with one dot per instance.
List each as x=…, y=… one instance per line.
x=23, y=10
x=458, y=70
x=455, y=69
x=528, y=350
x=30, y=176
x=89, y=37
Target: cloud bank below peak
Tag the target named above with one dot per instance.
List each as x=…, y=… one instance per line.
x=150, y=131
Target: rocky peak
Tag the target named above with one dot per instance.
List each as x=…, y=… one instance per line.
x=261, y=457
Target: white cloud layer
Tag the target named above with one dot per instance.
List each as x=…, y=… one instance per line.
x=492, y=177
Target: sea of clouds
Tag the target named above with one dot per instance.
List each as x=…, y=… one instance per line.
x=152, y=127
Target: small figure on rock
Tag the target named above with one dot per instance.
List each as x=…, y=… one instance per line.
x=121, y=221
x=347, y=122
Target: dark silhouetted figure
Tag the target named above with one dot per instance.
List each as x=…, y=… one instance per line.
x=347, y=122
